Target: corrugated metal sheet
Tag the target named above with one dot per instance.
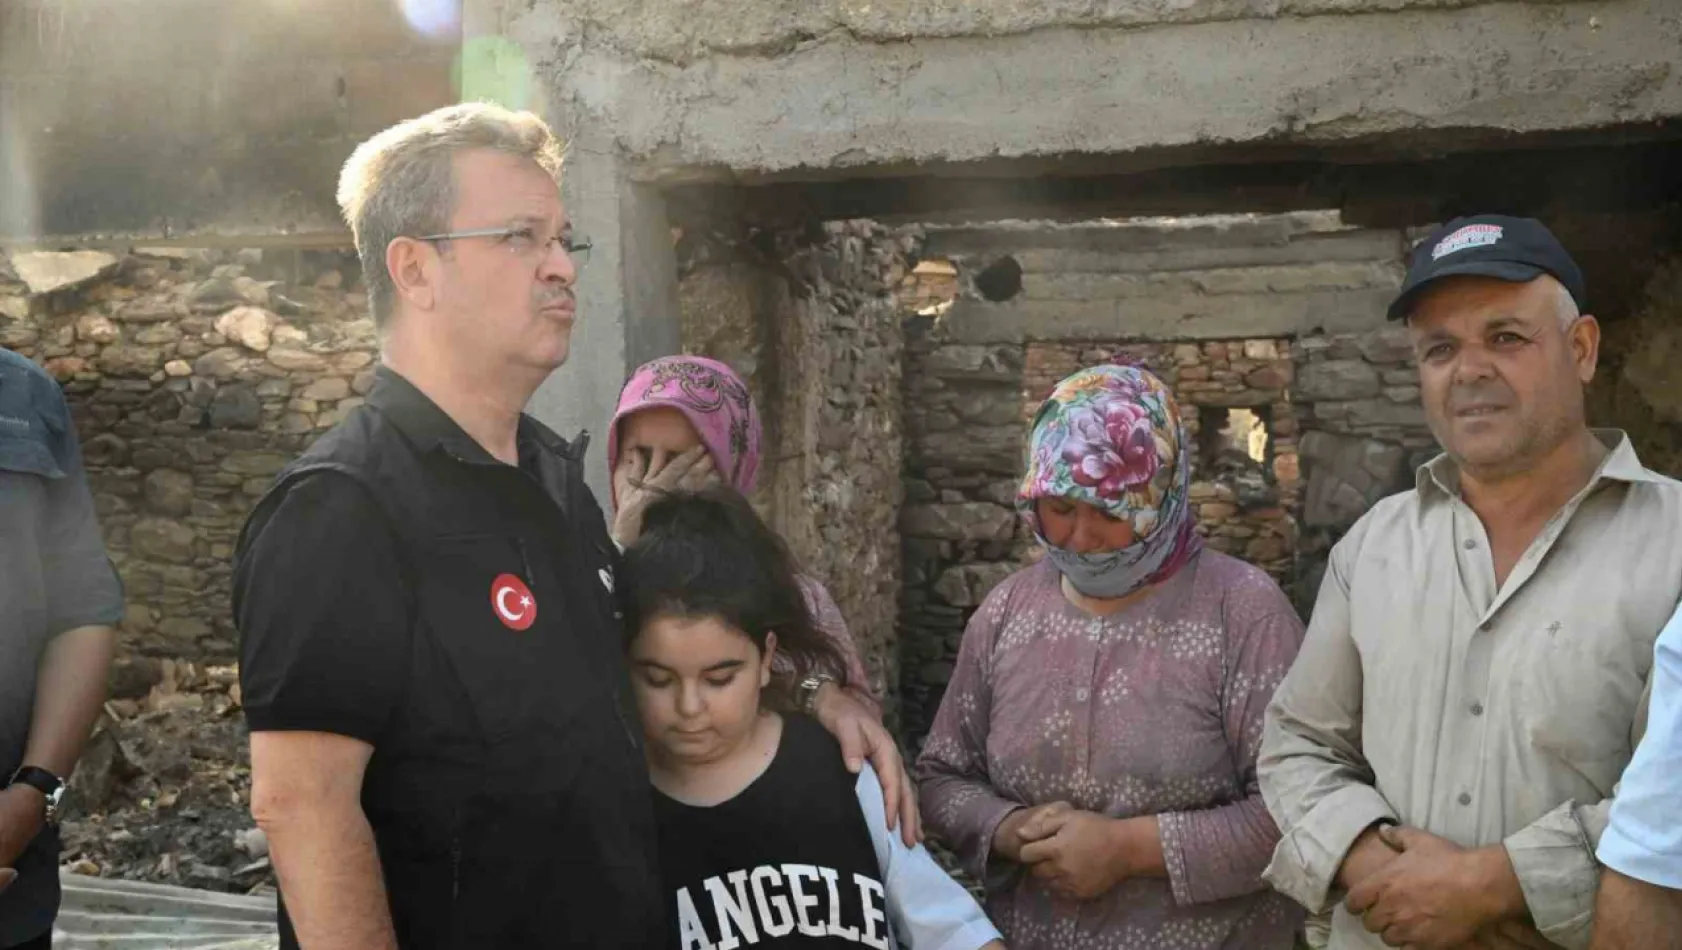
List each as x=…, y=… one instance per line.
x=100, y=914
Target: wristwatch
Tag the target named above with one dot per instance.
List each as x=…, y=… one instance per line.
x=44, y=782
x=806, y=694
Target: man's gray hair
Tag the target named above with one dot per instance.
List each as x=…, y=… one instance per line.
x=401, y=182
x=1567, y=306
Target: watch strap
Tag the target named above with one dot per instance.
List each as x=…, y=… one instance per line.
x=43, y=781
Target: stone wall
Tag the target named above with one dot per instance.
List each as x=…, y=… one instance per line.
x=963, y=427
x=836, y=417
x=812, y=321
x=1294, y=433
x=192, y=377
x=1639, y=383
x=1364, y=434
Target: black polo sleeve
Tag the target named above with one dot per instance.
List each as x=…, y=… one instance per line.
x=322, y=612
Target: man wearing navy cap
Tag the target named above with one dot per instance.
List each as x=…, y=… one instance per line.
x=1443, y=754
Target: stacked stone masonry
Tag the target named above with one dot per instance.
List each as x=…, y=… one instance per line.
x=816, y=328
x=1637, y=386
x=193, y=376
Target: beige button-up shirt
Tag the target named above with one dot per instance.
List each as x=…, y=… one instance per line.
x=1426, y=694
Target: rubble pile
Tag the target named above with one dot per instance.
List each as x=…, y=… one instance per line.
x=163, y=791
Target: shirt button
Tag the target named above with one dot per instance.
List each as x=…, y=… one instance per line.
x=1477, y=709
x=1469, y=544
x=1081, y=694
x=1465, y=798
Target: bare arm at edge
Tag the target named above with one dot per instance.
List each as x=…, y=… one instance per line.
x=68, y=694
x=306, y=795
x=1634, y=915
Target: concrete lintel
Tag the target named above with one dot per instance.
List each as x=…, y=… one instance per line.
x=1353, y=246
x=1242, y=281
x=627, y=300
x=1169, y=317
x=1599, y=170
x=1155, y=233
x=839, y=104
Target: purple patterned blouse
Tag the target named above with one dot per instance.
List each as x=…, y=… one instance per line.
x=1156, y=709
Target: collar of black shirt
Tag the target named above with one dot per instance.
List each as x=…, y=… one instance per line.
x=429, y=428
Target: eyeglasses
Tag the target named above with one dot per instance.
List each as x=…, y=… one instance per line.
x=524, y=242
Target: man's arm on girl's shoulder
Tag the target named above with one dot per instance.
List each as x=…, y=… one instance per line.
x=827, y=618
x=866, y=742
x=927, y=908
x=854, y=717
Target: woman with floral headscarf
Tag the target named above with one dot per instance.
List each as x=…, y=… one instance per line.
x=684, y=422
x=1093, y=761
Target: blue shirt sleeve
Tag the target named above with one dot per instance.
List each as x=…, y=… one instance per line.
x=1644, y=839
x=927, y=909
x=80, y=587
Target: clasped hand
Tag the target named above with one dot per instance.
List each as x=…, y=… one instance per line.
x=1078, y=854
x=1436, y=895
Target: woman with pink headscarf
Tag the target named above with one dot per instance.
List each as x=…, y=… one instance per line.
x=687, y=421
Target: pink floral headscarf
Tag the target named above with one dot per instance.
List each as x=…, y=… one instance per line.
x=1111, y=437
x=714, y=400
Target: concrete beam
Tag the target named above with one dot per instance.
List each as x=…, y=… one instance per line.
x=1397, y=182
x=841, y=102
x=1355, y=246
x=1203, y=232
x=1240, y=281
x=1168, y=316
x=685, y=33
x=1154, y=246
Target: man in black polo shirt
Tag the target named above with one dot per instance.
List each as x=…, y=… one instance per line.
x=443, y=751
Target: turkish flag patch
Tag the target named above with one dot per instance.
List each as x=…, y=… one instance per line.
x=512, y=602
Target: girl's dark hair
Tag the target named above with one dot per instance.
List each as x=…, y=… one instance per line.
x=708, y=554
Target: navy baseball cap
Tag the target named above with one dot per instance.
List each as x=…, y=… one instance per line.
x=1488, y=245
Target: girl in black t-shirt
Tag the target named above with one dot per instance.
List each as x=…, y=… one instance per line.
x=765, y=837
